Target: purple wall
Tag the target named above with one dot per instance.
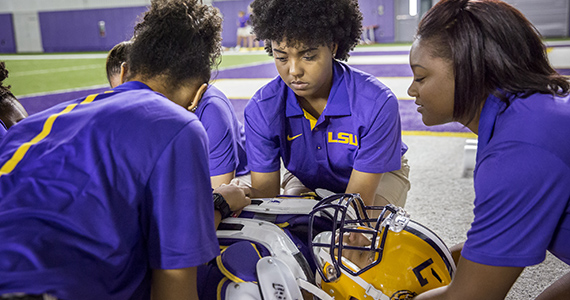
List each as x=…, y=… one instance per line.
x=7, y=42
x=385, y=32
x=229, y=10
x=78, y=30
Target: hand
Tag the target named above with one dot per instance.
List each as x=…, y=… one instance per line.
x=235, y=196
x=240, y=183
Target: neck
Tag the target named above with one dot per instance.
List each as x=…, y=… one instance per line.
x=181, y=94
x=473, y=125
x=315, y=107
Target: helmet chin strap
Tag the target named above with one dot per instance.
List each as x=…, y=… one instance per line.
x=369, y=289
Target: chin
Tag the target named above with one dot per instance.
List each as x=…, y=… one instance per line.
x=429, y=122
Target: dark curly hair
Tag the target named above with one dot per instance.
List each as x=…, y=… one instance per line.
x=4, y=90
x=11, y=110
x=493, y=49
x=180, y=39
x=309, y=22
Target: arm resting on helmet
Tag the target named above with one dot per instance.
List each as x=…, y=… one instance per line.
x=476, y=281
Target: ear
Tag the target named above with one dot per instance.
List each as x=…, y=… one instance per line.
x=124, y=70
x=197, y=97
x=334, y=48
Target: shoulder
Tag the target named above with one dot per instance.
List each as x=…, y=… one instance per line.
x=541, y=120
x=365, y=87
x=270, y=91
x=368, y=97
x=143, y=112
x=268, y=101
x=214, y=100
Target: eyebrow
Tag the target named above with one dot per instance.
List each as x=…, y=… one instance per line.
x=302, y=52
x=417, y=66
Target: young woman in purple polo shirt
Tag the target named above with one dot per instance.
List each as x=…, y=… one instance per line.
x=332, y=126
x=226, y=133
x=482, y=63
x=109, y=196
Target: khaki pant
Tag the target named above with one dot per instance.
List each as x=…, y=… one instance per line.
x=393, y=187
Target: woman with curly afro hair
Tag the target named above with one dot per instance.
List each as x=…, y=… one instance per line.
x=333, y=127
x=109, y=196
x=11, y=110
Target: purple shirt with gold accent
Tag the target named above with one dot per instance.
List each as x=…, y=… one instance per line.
x=110, y=187
x=358, y=129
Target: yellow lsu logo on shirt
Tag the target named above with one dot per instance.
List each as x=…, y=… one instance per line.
x=343, y=138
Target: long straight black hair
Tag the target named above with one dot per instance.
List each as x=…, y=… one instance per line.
x=494, y=49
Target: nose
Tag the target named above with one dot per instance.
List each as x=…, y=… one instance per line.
x=412, y=91
x=295, y=68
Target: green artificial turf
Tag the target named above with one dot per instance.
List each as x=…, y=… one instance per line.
x=32, y=76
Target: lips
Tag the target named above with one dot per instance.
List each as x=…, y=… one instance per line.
x=420, y=107
x=299, y=85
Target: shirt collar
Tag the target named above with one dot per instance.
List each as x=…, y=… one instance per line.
x=337, y=103
x=491, y=109
x=132, y=85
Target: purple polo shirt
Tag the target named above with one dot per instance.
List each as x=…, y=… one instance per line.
x=106, y=192
x=522, y=182
x=225, y=132
x=358, y=129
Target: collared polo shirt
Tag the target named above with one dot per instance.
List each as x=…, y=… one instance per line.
x=225, y=132
x=358, y=129
x=107, y=188
x=522, y=182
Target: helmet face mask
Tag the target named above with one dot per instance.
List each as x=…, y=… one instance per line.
x=376, y=251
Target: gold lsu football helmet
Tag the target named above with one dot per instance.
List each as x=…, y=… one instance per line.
x=382, y=258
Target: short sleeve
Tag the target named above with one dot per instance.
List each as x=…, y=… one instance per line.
x=381, y=144
x=261, y=144
x=521, y=194
x=217, y=120
x=179, y=202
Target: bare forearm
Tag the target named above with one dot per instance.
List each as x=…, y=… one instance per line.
x=265, y=185
x=175, y=284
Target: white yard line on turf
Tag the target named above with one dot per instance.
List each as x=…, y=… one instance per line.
x=244, y=88
x=55, y=70
x=52, y=56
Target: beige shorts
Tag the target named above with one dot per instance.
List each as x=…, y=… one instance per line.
x=243, y=31
x=393, y=187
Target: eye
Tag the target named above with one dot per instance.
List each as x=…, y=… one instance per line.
x=419, y=79
x=309, y=58
x=281, y=59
